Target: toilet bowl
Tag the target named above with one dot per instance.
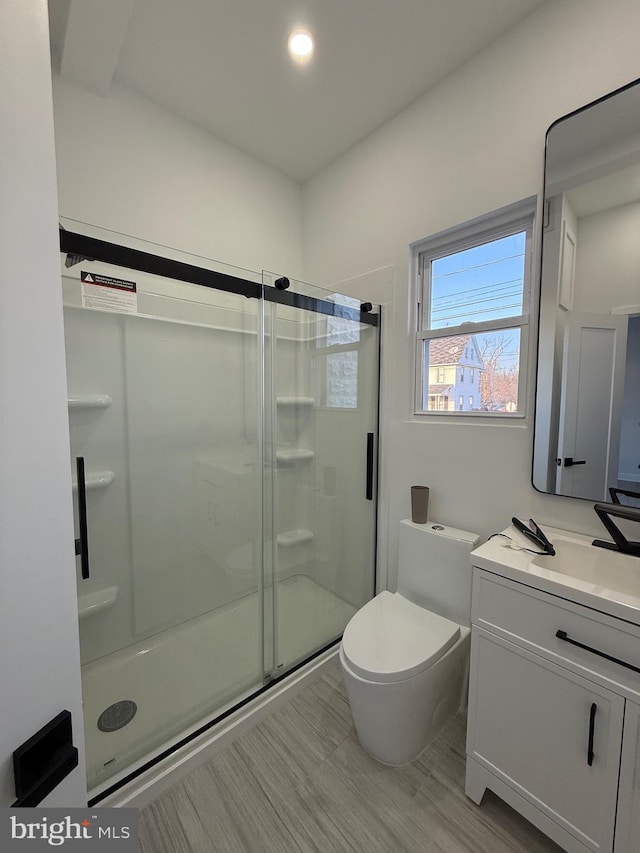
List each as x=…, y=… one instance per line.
x=404, y=655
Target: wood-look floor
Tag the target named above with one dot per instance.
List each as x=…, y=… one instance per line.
x=300, y=781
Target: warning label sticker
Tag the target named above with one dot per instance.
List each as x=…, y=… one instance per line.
x=108, y=293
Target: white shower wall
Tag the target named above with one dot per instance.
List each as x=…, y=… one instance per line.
x=180, y=437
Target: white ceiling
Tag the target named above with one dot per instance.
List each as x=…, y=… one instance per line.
x=223, y=63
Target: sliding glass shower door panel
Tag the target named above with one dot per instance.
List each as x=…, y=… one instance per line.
x=164, y=397
x=321, y=381
x=223, y=443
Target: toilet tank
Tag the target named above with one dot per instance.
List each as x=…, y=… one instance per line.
x=434, y=568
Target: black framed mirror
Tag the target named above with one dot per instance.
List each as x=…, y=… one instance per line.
x=587, y=426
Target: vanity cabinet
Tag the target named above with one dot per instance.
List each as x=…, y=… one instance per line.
x=628, y=824
x=554, y=728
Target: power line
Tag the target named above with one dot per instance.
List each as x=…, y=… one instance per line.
x=476, y=290
x=477, y=312
x=475, y=266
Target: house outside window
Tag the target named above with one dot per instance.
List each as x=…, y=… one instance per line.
x=474, y=294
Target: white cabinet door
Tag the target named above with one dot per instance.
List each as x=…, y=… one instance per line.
x=532, y=723
x=628, y=823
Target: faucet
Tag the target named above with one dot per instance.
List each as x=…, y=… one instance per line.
x=620, y=542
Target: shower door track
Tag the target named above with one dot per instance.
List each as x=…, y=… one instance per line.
x=91, y=249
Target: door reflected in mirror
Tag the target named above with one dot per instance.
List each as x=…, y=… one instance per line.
x=587, y=430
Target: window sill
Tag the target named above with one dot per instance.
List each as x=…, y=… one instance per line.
x=471, y=418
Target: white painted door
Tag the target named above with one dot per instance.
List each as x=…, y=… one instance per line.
x=591, y=404
x=628, y=823
x=39, y=653
x=531, y=725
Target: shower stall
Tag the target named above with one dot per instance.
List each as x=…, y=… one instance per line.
x=224, y=445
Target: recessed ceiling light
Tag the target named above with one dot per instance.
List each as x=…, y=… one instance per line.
x=301, y=45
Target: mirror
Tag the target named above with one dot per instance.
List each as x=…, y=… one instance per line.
x=587, y=427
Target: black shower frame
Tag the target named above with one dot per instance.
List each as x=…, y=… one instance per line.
x=91, y=249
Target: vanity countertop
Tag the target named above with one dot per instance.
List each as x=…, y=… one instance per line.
x=604, y=580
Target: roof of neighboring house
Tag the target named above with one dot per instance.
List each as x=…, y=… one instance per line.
x=451, y=350
x=440, y=388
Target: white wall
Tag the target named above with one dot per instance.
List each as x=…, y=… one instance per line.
x=471, y=145
x=128, y=165
x=608, y=259
x=39, y=654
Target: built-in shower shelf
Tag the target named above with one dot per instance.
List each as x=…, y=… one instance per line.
x=294, y=537
x=295, y=402
x=95, y=480
x=290, y=457
x=94, y=602
x=89, y=401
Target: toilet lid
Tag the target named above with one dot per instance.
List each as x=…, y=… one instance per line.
x=391, y=638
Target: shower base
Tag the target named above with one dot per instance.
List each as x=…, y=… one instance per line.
x=179, y=679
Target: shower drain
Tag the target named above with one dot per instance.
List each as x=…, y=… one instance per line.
x=117, y=715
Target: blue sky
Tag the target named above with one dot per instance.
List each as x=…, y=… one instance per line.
x=481, y=283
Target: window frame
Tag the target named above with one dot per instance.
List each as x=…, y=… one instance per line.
x=492, y=226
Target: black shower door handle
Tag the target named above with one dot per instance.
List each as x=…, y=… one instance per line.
x=82, y=543
x=369, y=486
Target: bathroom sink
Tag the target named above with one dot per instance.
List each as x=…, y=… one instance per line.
x=605, y=580
x=606, y=570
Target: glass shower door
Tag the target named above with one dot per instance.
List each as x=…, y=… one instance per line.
x=164, y=390
x=321, y=411
x=223, y=439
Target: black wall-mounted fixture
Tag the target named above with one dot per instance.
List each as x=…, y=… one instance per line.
x=282, y=283
x=626, y=493
x=43, y=761
x=366, y=307
x=606, y=513
x=71, y=260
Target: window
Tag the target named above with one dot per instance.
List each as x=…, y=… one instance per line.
x=474, y=294
x=337, y=342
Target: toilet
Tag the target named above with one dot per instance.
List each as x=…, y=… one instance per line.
x=404, y=655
